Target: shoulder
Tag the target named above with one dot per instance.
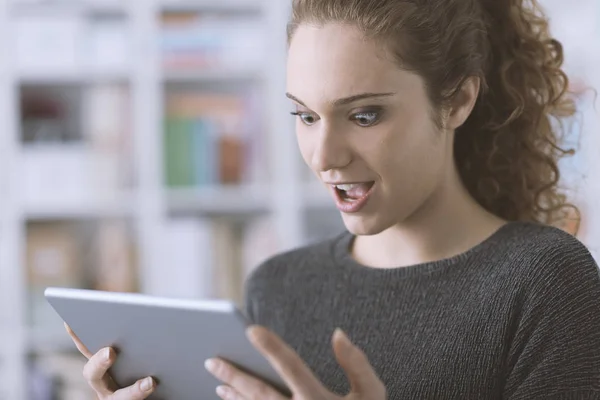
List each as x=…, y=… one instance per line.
x=547, y=258
x=547, y=245
x=289, y=264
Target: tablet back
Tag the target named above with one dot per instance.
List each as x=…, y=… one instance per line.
x=168, y=339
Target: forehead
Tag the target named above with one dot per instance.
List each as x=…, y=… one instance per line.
x=334, y=61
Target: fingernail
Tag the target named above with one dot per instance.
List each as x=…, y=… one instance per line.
x=253, y=334
x=346, y=343
x=147, y=384
x=221, y=391
x=106, y=354
x=210, y=365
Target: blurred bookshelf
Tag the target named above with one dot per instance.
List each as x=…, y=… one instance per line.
x=144, y=134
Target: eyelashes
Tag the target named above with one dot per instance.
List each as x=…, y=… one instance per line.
x=365, y=118
x=306, y=118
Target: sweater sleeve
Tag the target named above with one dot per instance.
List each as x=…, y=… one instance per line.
x=253, y=288
x=555, y=352
x=249, y=303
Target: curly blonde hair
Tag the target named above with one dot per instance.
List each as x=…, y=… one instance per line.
x=508, y=150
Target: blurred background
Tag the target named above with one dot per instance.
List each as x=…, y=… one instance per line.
x=146, y=146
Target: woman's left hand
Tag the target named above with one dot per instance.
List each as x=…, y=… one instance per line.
x=364, y=383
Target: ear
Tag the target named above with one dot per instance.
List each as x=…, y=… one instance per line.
x=463, y=103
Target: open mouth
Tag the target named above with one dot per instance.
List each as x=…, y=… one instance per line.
x=352, y=192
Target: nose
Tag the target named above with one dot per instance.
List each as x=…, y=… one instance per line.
x=330, y=150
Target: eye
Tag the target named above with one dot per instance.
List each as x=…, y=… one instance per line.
x=366, y=119
x=306, y=118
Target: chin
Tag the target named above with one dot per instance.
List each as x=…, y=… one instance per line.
x=363, y=225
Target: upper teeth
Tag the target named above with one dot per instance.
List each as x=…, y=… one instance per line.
x=347, y=187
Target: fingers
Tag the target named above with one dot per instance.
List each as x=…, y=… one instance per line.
x=95, y=372
x=240, y=384
x=361, y=375
x=229, y=393
x=80, y=346
x=139, y=390
x=286, y=363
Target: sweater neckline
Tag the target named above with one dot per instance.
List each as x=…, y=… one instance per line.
x=343, y=257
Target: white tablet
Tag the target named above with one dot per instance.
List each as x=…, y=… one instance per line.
x=168, y=339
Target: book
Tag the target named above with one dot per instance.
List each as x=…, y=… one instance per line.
x=206, y=141
x=227, y=244
x=53, y=258
x=115, y=269
x=178, y=152
x=203, y=154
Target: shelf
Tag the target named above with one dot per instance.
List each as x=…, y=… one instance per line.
x=220, y=76
x=224, y=200
x=70, y=6
x=106, y=7
x=201, y=5
x=77, y=209
x=76, y=76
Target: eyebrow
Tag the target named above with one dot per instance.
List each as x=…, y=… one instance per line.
x=346, y=100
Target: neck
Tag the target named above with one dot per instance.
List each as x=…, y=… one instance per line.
x=450, y=222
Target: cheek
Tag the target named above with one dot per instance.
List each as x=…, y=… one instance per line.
x=410, y=155
x=388, y=149
x=304, y=145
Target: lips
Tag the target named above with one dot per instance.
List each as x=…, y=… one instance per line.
x=352, y=197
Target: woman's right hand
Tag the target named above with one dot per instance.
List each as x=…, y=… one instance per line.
x=96, y=374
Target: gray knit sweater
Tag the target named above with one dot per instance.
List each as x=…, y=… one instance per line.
x=516, y=317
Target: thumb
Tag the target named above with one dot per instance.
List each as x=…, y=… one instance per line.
x=363, y=379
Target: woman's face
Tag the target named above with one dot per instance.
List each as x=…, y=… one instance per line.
x=365, y=124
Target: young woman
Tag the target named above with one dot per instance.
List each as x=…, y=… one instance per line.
x=432, y=123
